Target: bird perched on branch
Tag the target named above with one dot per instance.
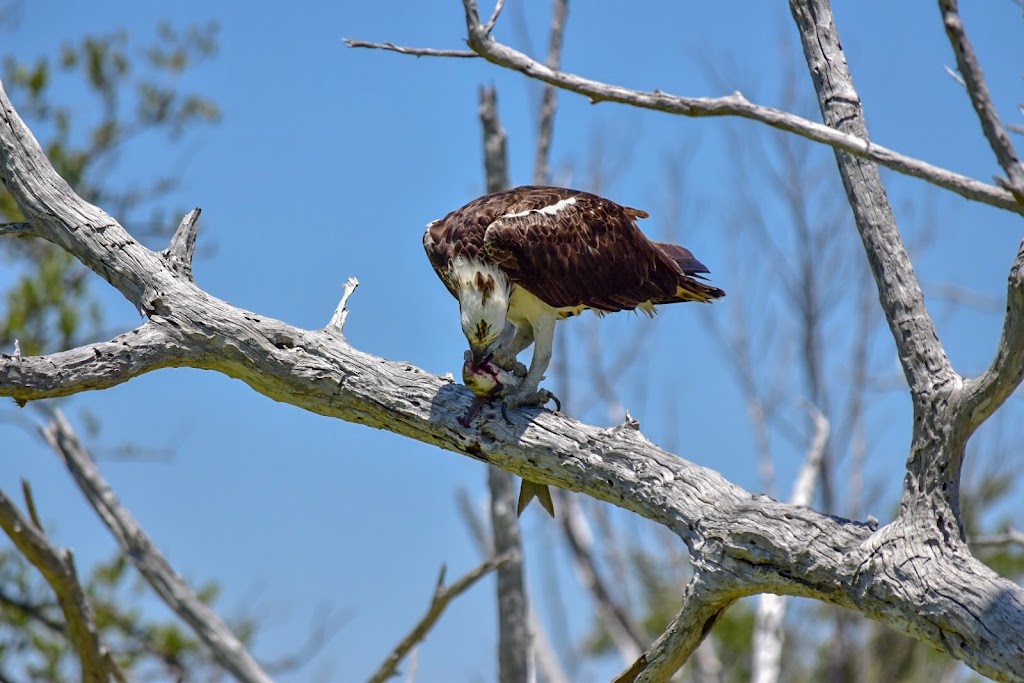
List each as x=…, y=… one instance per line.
x=519, y=261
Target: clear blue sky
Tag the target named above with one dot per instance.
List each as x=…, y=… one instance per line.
x=328, y=163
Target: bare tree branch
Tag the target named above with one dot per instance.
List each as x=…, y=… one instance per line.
x=624, y=632
x=984, y=394
x=337, y=323
x=549, y=100
x=498, y=6
x=921, y=354
x=514, y=637
x=183, y=244
x=974, y=81
x=19, y=229
x=703, y=604
x=210, y=628
x=1010, y=537
x=94, y=366
x=443, y=595
x=732, y=105
x=58, y=568
x=955, y=603
x=415, y=51
x=548, y=665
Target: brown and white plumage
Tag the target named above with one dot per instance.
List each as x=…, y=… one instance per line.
x=520, y=260
x=571, y=249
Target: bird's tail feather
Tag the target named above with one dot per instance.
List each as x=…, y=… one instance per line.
x=684, y=258
x=690, y=289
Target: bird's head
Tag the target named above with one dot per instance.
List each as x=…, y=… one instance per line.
x=484, y=293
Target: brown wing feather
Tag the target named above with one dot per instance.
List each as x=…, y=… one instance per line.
x=588, y=253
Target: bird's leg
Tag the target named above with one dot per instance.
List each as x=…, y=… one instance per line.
x=512, y=341
x=528, y=392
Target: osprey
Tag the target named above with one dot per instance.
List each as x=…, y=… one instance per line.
x=520, y=260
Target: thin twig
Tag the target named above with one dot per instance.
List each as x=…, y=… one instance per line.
x=414, y=51
x=970, y=70
x=443, y=595
x=549, y=100
x=1010, y=537
x=494, y=17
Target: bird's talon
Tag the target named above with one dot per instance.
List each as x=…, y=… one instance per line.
x=558, y=404
x=510, y=365
x=536, y=398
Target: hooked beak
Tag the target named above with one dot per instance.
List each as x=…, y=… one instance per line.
x=479, y=356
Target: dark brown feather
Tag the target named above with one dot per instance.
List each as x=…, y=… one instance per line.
x=589, y=253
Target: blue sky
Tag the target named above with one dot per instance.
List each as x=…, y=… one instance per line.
x=328, y=163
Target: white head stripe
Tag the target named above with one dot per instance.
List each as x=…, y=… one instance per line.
x=549, y=210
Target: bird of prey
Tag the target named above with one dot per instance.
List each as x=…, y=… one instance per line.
x=520, y=260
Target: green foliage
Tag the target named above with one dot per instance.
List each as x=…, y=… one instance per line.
x=32, y=641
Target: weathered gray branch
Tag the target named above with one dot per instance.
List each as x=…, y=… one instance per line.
x=905, y=574
x=921, y=355
x=58, y=568
x=94, y=366
x=443, y=595
x=974, y=81
x=946, y=408
x=136, y=545
x=337, y=322
x=705, y=599
x=984, y=394
x=17, y=229
x=736, y=104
